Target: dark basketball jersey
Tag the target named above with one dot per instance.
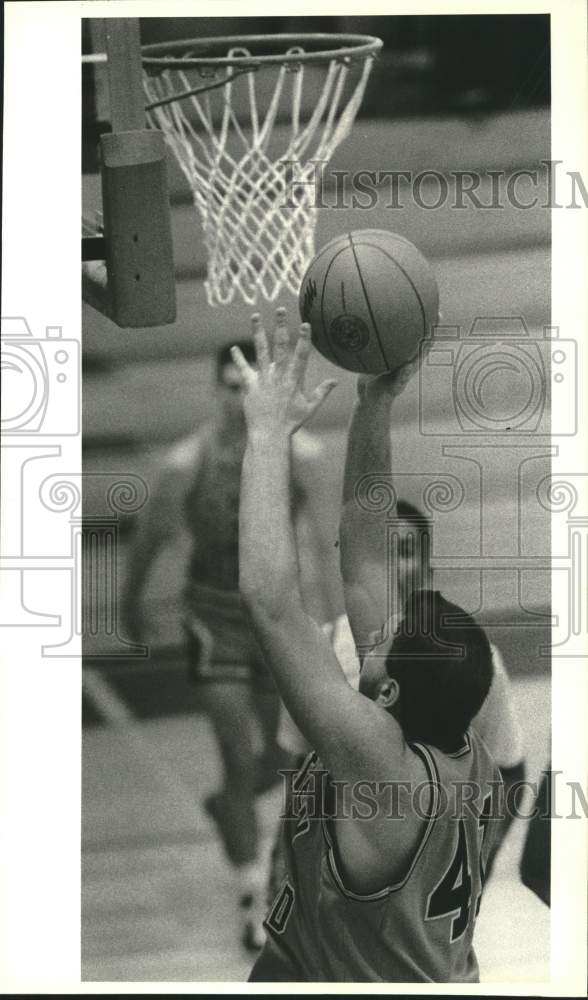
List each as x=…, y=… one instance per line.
x=418, y=930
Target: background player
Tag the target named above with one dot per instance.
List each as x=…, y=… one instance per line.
x=362, y=900
x=198, y=492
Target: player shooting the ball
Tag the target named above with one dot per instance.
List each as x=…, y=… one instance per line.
x=387, y=893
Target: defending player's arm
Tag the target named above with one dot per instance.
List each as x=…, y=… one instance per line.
x=366, y=575
x=349, y=731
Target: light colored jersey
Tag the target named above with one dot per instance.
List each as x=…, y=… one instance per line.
x=496, y=722
x=417, y=930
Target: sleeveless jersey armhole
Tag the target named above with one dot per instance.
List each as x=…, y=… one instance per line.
x=334, y=864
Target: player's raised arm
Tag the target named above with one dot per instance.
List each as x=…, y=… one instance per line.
x=308, y=675
x=275, y=407
x=366, y=573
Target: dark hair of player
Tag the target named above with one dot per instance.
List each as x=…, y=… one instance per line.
x=223, y=355
x=442, y=661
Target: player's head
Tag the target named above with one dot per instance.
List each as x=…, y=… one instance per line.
x=227, y=376
x=413, y=549
x=436, y=673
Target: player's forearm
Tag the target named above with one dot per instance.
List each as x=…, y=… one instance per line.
x=296, y=651
x=368, y=452
x=368, y=440
x=363, y=533
x=268, y=564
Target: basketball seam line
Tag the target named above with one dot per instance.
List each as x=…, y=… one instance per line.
x=367, y=302
x=326, y=331
x=408, y=278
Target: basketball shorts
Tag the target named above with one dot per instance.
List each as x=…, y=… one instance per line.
x=220, y=643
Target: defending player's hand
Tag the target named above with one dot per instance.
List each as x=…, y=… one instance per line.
x=274, y=395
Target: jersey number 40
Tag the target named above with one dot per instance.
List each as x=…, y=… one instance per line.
x=452, y=896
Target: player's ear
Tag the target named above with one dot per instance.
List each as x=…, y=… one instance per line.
x=388, y=692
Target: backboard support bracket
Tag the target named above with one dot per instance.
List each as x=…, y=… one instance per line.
x=135, y=284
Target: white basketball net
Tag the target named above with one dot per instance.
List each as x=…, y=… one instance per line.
x=258, y=221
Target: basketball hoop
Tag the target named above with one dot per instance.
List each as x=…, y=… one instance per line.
x=253, y=184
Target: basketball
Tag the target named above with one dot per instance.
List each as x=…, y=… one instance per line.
x=370, y=298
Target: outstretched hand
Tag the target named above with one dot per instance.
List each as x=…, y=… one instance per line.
x=274, y=396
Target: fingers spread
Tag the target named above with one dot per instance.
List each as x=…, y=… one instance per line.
x=259, y=335
x=300, y=356
x=281, y=339
x=245, y=371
